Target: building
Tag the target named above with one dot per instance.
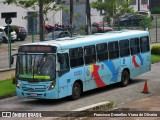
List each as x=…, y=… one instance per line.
x=61, y=17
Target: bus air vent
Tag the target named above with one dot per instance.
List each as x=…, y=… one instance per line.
x=124, y=30
x=98, y=33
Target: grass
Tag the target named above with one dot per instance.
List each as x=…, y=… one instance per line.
x=7, y=88
x=155, y=58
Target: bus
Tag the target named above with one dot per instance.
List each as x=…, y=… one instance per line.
x=70, y=66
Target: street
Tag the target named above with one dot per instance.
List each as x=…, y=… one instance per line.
x=119, y=95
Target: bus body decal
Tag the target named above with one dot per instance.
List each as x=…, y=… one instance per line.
x=140, y=57
x=97, y=78
x=134, y=61
x=113, y=70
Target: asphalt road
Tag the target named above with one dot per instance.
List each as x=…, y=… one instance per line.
x=120, y=95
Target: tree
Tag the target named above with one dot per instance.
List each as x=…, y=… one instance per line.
x=43, y=6
x=112, y=7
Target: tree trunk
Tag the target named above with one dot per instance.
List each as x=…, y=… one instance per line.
x=41, y=24
x=71, y=16
x=88, y=12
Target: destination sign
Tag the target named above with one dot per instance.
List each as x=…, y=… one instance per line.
x=37, y=49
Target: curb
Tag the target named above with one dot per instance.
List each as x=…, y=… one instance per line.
x=96, y=107
x=89, y=110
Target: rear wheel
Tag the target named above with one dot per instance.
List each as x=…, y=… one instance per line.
x=124, y=78
x=76, y=91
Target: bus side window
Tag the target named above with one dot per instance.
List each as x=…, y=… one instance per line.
x=124, y=48
x=89, y=54
x=102, y=52
x=76, y=57
x=134, y=46
x=113, y=48
x=64, y=63
x=144, y=44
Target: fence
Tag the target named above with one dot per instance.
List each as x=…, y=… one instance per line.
x=153, y=26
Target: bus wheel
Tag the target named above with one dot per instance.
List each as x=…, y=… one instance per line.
x=76, y=91
x=124, y=78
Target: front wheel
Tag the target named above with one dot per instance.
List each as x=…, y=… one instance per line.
x=76, y=91
x=124, y=79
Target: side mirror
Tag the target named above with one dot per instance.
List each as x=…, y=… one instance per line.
x=60, y=58
x=57, y=66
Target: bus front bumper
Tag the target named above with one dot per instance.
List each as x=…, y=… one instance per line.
x=50, y=94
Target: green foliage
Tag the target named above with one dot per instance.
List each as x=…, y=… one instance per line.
x=124, y=8
x=34, y=4
x=155, y=50
x=113, y=8
x=155, y=10
x=155, y=58
x=14, y=27
x=146, y=22
x=109, y=6
x=7, y=88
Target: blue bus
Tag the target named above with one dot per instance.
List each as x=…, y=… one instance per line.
x=70, y=66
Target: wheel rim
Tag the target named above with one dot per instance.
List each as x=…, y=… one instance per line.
x=76, y=91
x=125, y=78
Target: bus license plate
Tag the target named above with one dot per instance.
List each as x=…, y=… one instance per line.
x=33, y=95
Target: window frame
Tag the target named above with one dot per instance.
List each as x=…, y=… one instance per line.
x=147, y=45
x=88, y=55
x=103, y=53
x=126, y=48
x=116, y=50
x=135, y=46
x=76, y=57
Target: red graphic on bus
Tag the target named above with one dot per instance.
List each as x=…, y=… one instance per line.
x=96, y=76
x=134, y=61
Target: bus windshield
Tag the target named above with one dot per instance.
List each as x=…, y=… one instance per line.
x=36, y=67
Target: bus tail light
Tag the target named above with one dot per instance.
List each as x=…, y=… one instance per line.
x=52, y=85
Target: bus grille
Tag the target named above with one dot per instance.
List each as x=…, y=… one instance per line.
x=33, y=89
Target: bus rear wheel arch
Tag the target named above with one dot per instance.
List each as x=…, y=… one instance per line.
x=125, y=77
x=77, y=90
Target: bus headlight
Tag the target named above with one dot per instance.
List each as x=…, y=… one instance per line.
x=17, y=84
x=52, y=85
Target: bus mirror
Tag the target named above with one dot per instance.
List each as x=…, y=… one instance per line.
x=57, y=66
x=60, y=58
x=12, y=60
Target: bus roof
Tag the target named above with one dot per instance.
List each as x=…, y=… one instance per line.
x=80, y=41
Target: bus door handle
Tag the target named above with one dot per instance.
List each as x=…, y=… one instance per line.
x=68, y=80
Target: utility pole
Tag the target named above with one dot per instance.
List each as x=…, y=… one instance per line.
x=138, y=5
x=41, y=24
x=71, y=16
x=88, y=12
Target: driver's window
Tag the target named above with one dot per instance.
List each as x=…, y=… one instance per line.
x=64, y=63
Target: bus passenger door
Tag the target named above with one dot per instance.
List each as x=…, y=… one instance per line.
x=145, y=56
x=63, y=74
x=135, y=61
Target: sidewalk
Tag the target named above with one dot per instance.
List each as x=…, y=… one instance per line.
x=147, y=105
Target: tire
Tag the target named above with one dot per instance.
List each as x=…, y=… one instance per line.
x=124, y=78
x=5, y=40
x=76, y=91
x=22, y=39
